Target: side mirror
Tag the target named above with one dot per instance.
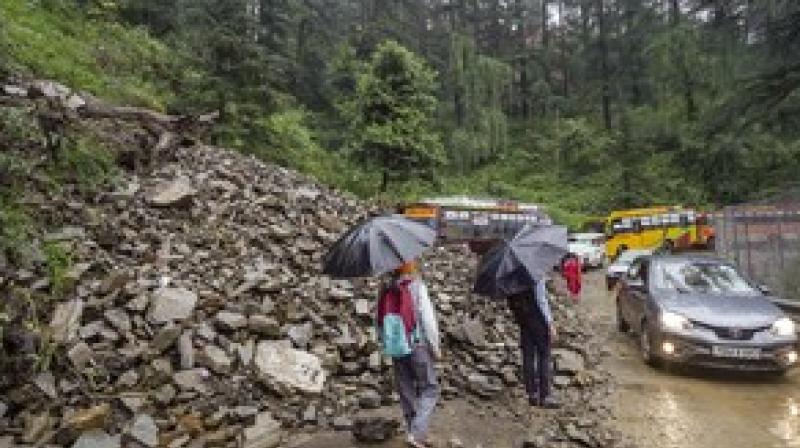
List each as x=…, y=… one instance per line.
x=766, y=290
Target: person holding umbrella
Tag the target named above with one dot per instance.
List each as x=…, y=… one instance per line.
x=517, y=270
x=531, y=311
x=413, y=347
x=405, y=318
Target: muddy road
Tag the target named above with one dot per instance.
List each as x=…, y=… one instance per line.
x=692, y=408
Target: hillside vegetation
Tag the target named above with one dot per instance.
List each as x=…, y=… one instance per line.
x=581, y=105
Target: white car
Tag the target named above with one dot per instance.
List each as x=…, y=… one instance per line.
x=589, y=247
x=620, y=266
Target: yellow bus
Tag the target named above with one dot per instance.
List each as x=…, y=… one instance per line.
x=665, y=227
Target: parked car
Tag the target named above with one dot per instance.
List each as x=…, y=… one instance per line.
x=620, y=266
x=589, y=247
x=702, y=311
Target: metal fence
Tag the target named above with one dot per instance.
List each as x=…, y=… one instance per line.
x=764, y=241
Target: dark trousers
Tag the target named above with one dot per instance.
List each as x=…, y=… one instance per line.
x=536, y=362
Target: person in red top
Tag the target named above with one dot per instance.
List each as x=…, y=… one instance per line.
x=571, y=270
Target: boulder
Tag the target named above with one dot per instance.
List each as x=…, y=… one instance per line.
x=144, y=430
x=263, y=325
x=66, y=321
x=171, y=304
x=374, y=429
x=265, y=433
x=568, y=361
x=98, y=439
x=215, y=359
x=227, y=320
x=277, y=362
x=176, y=193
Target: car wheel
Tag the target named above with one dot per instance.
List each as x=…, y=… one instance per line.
x=622, y=326
x=646, y=347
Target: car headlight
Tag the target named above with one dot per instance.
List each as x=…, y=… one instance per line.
x=783, y=327
x=674, y=321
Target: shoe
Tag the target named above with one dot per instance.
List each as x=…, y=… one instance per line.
x=414, y=443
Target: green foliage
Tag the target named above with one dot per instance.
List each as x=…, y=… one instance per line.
x=58, y=262
x=103, y=57
x=85, y=162
x=393, y=115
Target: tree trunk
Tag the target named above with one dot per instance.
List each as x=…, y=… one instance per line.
x=601, y=22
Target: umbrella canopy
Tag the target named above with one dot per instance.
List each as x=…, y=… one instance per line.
x=376, y=246
x=511, y=267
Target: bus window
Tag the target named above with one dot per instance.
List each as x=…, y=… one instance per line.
x=637, y=225
x=656, y=221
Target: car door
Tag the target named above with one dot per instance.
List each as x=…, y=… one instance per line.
x=635, y=287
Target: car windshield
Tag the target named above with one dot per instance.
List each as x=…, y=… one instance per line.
x=629, y=256
x=702, y=277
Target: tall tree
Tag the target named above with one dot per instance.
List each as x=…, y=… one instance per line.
x=394, y=115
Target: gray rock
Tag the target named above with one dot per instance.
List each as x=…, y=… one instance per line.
x=134, y=402
x=3, y=409
x=66, y=234
x=265, y=433
x=310, y=414
x=165, y=338
x=374, y=429
x=342, y=423
x=474, y=332
x=215, y=359
x=245, y=352
x=192, y=380
x=165, y=394
x=482, y=386
x=171, y=304
x=80, y=355
x=369, y=399
x=128, y=379
x=66, y=321
x=362, y=307
x=46, y=382
x=266, y=326
x=301, y=335
x=177, y=193
x=278, y=363
x=206, y=332
x=375, y=361
x=119, y=319
x=568, y=361
x=227, y=320
x=144, y=430
x=186, y=350
x=97, y=438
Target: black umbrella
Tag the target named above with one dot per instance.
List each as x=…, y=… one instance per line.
x=511, y=267
x=376, y=246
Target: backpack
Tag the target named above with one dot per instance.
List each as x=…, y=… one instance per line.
x=397, y=319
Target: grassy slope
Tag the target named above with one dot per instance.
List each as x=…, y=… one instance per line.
x=120, y=64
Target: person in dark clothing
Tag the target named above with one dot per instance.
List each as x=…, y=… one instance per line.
x=531, y=311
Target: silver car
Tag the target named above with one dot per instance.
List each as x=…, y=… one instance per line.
x=701, y=311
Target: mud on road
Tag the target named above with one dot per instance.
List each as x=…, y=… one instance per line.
x=682, y=408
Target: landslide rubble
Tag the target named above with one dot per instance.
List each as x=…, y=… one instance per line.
x=196, y=315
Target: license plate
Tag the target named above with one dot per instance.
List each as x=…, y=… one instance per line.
x=736, y=352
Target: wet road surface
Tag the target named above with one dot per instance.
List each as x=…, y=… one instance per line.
x=692, y=408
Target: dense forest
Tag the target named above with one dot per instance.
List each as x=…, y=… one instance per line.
x=583, y=105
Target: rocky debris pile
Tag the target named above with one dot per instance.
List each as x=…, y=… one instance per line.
x=197, y=316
